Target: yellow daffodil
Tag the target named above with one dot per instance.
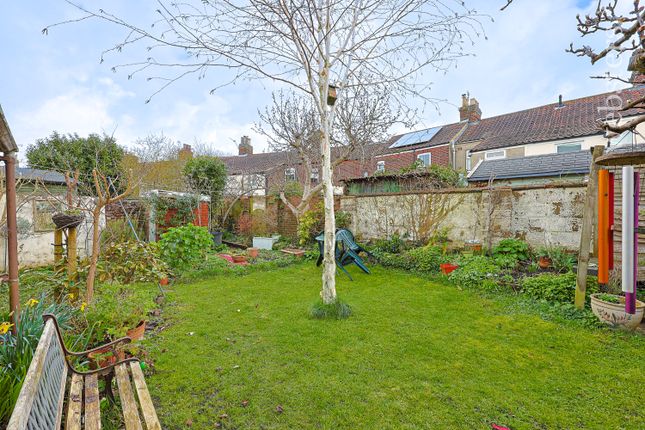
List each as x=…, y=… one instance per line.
x=83, y=306
x=5, y=327
x=32, y=302
x=71, y=296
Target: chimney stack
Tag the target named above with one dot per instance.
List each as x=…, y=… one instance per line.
x=245, y=147
x=186, y=152
x=469, y=110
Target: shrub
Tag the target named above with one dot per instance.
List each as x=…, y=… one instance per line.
x=515, y=248
x=561, y=260
x=337, y=310
x=311, y=222
x=478, y=271
x=182, y=247
x=427, y=258
x=393, y=245
x=556, y=287
x=129, y=262
x=609, y=298
x=343, y=219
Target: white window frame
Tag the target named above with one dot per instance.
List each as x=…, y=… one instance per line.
x=380, y=166
x=488, y=156
x=469, y=159
x=420, y=157
x=576, y=142
x=290, y=174
x=315, y=175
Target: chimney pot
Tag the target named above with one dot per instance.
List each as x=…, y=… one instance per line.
x=469, y=110
x=245, y=147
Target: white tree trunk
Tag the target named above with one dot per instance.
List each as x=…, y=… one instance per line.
x=329, y=262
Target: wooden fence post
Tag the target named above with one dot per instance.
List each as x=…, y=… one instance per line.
x=587, y=229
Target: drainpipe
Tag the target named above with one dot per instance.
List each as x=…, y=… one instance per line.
x=12, y=236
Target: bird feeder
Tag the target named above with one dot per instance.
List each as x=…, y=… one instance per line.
x=331, y=95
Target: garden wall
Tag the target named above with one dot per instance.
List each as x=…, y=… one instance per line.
x=541, y=215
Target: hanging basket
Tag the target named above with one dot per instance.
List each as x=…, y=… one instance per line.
x=621, y=158
x=62, y=220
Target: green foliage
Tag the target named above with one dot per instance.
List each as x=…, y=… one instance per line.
x=133, y=261
x=181, y=207
x=561, y=260
x=183, y=247
x=446, y=175
x=290, y=189
x=427, y=258
x=119, y=308
x=556, y=287
x=312, y=222
x=343, y=219
x=393, y=245
x=515, y=248
x=70, y=152
x=609, y=298
x=334, y=311
x=478, y=271
x=207, y=175
x=17, y=351
x=118, y=231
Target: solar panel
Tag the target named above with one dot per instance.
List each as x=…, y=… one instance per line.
x=416, y=137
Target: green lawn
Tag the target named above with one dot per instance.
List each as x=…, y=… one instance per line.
x=415, y=354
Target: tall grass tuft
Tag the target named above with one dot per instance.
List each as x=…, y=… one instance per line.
x=336, y=311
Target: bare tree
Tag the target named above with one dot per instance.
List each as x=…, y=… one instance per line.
x=324, y=48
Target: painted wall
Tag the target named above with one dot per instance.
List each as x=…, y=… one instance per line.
x=541, y=215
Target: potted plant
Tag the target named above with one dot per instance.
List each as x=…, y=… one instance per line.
x=253, y=252
x=68, y=219
x=544, y=259
x=217, y=233
x=610, y=309
x=137, y=332
x=238, y=258
x=447, y=268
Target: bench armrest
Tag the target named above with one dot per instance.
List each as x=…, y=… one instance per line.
x=109, y=345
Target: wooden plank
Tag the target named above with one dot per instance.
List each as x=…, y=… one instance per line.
x=587, y=228
x=30, y=385
x=148, y=409
x=75, y=403
x=92, y=403
x=128, y=402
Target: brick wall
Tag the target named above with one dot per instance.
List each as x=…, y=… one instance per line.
x=439, y=154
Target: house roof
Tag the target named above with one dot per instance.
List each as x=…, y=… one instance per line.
x=255, y=163
x=47, y=176
x=443, y=136
x=572, y=163
x=7, y=142
x=576, y=118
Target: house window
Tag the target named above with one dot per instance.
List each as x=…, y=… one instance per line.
x=568, y=147
x=315, y=176
x=426, y=159
x=625, y=138
x=43, y=211
x=380, y=166
x=495, y=155
x=290, y=174
x=468, y=160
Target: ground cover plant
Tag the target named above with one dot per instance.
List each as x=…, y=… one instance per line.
x=243, y=352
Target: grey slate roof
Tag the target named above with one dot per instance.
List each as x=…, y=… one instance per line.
x=571, y=163
x=47, y=176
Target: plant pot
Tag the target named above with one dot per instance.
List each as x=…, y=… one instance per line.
x=263, y=242
x=104, y=357
x=544, y=262
x=62, y=220
x=137, y=332
x=614, y=313
x=447, y=268
x=217, y=237
x=164, y=281
x=253, y=252
x=239, y=258
x=294, y=251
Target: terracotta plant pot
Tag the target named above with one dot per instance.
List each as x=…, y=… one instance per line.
x=544, y=262
x=104, y=358
x=253, y=252
x=137, y=332
x=447, y=268
x=163, y=281
x=614, y=313
x=239, y=258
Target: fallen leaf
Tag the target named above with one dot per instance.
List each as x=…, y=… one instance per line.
x=223, y=416
x=245, y=403
x=279, y=409
x=189, y=422
x=218, y=425
x=236, y=366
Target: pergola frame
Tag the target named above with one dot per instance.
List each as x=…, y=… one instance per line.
x=9, y=148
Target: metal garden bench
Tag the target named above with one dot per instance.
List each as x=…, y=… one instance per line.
x=54, y=391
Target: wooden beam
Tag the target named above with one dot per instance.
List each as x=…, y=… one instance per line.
x=587, y=229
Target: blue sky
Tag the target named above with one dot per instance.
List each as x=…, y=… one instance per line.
x=55, y=82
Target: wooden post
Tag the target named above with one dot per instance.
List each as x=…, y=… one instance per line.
x=58, y=245
x=71, y=252
x=12, y=238
x=587, y=229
